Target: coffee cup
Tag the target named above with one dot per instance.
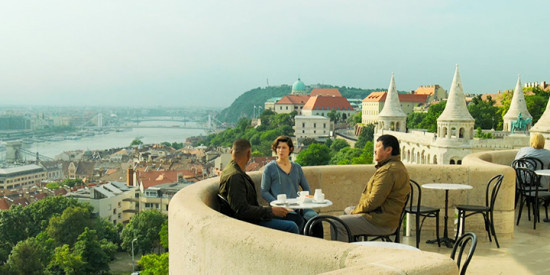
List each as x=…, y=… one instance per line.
x=319, y=197
x=303, y=194
x=281, y=198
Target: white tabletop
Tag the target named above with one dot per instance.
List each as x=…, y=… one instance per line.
x=544, y=172
x=388, y=245
x=447, y=186
x=295, y=204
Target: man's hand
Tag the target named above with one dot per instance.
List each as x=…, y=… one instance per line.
x=280, y=211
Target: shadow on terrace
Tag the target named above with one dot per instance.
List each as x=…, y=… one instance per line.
x=203, y=240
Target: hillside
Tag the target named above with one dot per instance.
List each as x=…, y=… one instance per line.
x=243, y=106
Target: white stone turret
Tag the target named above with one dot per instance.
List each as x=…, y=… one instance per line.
x=456, y=122
x=517, y=106
x=392, y=116
x=543, y=125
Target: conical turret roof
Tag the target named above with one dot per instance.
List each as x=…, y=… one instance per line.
x=392, y=106
x=543, y=125
x=456, y=109
x=518, y=104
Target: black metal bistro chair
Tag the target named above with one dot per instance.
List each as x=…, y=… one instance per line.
x=460, y=246
x=531, y=194
x=486, y=210
x=334, y=223
x=386, y=238
x=531, y=163
x=419, y=210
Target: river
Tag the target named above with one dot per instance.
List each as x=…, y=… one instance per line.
x=116, y=139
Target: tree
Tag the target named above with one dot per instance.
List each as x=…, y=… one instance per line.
x=145, y=226
x=136, y=142
x=315, y=154
x=355, y=119
x=66, y=228
x=65, y=262
x=430, y=121
x=52, y=185
x=153, y=264
x=89, y=249
x=485, y=112
x=163, y=234
x=367, y=134
x=338, y=144
x=28, y=257
x=415, y=119
x=536, y=103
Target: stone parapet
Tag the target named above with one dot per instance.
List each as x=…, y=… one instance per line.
x=204, y=241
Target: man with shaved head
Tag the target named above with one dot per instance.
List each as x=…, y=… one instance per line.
x=239, y=190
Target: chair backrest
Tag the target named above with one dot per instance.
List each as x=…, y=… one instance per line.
x=401, y=218
x=460, y=246
x=415, y=187
x=225, y=208
x=534, y=162
x=527, y=179
x=493, y=185
x=333, y=221
x=523, y=163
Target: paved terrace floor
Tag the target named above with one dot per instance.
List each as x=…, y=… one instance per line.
x=528, y=252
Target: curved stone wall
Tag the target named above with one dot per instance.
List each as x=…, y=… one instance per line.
x=204, y=241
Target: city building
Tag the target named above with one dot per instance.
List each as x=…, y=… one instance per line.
x=22, y=176
x=114, y=201
x=290, y=103
x=299, y=88
x=455, y=133
x=375, y=101
x=270, y=103
x=322, y=105
x=312, y=126
x=434, y=92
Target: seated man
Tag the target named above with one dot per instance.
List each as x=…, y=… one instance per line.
x=382, y=201
x=239, y=190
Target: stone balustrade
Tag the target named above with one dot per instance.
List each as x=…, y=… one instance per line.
x=204, y=241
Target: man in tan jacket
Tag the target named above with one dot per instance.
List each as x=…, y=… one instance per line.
x=382, y=201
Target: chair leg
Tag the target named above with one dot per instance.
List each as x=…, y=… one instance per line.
x=437, y=230
x=417, y=230
x=458, y=224
x=487, y=226
x=493, y=229
x=521, y=202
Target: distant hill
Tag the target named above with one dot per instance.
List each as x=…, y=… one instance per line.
x=243, y=106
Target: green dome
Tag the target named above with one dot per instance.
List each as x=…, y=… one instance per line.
x=298, y=86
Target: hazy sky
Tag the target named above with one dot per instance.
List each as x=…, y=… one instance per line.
x=206, y=53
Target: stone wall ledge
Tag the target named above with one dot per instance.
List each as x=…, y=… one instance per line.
x=204, y=241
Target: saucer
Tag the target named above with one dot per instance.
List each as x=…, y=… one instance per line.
x=323, y=201
x=279, y=203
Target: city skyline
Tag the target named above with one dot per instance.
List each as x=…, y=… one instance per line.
x=208, y=53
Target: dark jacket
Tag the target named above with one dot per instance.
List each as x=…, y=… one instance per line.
x=384, y=196
x=239, y=189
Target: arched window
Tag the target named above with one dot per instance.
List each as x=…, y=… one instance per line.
x=459, y=162
x=435, y=159
x=461, y=133
x=452, y=161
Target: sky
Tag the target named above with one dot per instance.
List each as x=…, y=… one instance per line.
x=207, y=53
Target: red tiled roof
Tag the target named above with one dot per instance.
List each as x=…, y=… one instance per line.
x=426, y=90
x=40, y=196
x=21, y=201
x=325, y=92
x=152, y=178
x=4, y=205
x=381, y=97
x=294, y=99
x=327, y=103
x=59, y=192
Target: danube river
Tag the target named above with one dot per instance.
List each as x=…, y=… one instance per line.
x=117, y=139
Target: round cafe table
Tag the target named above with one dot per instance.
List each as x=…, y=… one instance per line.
x=295, y=204
x=544, y=173
x=446, y=186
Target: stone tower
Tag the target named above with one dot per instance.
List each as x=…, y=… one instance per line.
x=517, y=106
x=456, y=122
x=392, y=116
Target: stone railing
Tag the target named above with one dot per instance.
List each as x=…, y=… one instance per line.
x=204, y=241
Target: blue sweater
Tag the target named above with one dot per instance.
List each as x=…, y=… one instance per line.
x=275, y=181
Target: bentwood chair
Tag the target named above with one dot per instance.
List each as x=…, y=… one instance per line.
x=486, y=210
x=334, y=224
x=386, y=238
x=419, y=210
x=531, y=194
x=460, y=246
x=531, y=163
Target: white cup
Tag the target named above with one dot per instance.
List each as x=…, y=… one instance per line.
x=319, y=197
x=303, y=194
x=317, y=192
x=281, y=198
